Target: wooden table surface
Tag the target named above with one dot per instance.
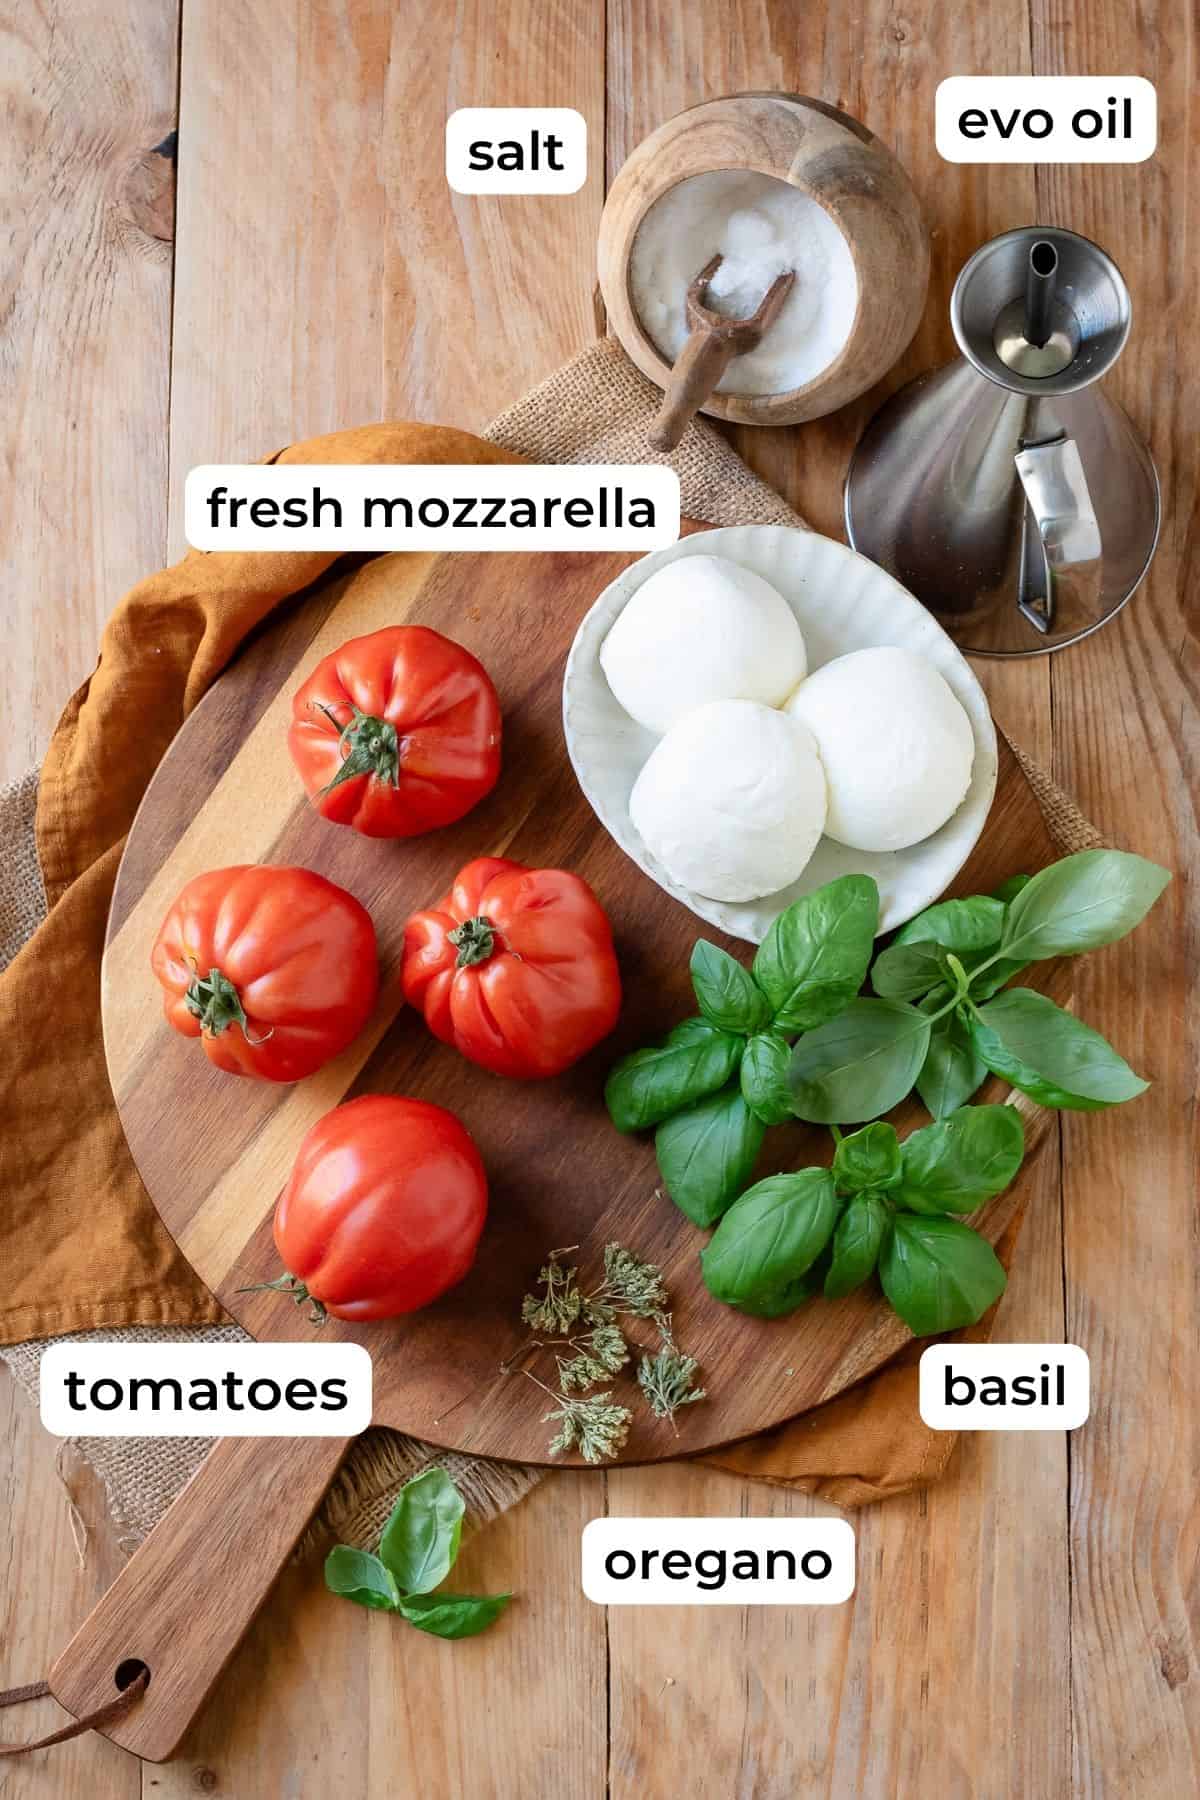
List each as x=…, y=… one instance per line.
x=1027, y=1628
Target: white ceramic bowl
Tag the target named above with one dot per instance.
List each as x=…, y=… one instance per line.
x=843, y=602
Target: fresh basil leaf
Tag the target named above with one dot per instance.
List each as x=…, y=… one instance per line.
x=1080, y=903
x=957, y=1164
x=648, y=1086
x=938, y=1274
x=860, y=1064
x=420, y=1540
x=453, y=1615
x=857, y=1242
x=869, y=1158
x=727, y=994
x=1050, y=1054
x=770, y=1236
x=953, y=1068
x=783, y=1300
x=357, y=1575
x=814, y=958
x=958, y=925
x=906, y=971
x=1008, y=890
x=764, y=1075
x=706, y=1153
x=996, y=976
x=935, y=999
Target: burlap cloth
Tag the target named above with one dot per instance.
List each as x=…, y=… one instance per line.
x=83, y=1245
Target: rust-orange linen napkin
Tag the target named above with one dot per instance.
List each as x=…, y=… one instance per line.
x=84, y=1247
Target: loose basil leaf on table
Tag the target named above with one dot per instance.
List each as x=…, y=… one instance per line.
x=906, y=971
x=357, y=1575
x=773, y=1234
x=859, y=1064
x=938, y=1274
x=869, y=1158
x=957, y=1164
x=959, y=925
x=815, y=956
x=1080, y=903
x=727, y=994
x=1050, y=1054
x=706, y=1153
x=764, y=1078
x=857, y=1241
x=453, y=1615
x=420, y=1541
x=953, y=1069
x=648, y=1086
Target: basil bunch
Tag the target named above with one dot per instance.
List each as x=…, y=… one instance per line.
x=416, y=1553
x=883, y=1206
x=941, y=1020
x=720, y=1079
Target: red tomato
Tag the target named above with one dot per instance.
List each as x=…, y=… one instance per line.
x=382, y=1210
x=275, y=970
x=397, y=733
x=514, y=967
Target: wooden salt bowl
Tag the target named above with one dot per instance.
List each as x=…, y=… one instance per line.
x=838, y=163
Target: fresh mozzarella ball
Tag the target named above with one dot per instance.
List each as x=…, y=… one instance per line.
x=732, y=800
x=702, y=628
x=896, y=745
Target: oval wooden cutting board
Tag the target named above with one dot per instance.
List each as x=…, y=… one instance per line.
x=214, y=1150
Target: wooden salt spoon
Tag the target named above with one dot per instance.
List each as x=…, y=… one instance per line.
x=712, y=346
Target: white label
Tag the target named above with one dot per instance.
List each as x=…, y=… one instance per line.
x=1046, y=119
x=718, y=1562
x=205, y=1390
x=1005, y=1387
x=516, y=150
x=451, y=506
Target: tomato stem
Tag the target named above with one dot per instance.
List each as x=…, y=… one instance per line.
x=474, y=939
x=368, y=746
x=214, y=1000
x=294, y=1288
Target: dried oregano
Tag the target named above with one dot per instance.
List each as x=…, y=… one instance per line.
x=595, y=1424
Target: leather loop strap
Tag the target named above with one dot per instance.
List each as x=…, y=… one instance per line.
x=93, y=1721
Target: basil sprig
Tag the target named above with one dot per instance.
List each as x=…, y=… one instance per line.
x=954, y=960
x=418, y=1549
x=791, y=1236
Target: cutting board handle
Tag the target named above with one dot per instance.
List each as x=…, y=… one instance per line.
x=184, y=1600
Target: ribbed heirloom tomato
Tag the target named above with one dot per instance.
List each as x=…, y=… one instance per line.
x=397, y=733
x=515, y=967
x=275, y=970
x=382, y=1211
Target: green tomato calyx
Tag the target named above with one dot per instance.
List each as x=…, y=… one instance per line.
x=475, y=941
x=368, y=746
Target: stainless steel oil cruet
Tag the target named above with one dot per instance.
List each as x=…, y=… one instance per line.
x=1005, y=490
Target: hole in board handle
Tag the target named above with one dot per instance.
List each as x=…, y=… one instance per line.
x=128, y=1672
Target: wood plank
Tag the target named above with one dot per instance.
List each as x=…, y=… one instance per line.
x=1127, y=738
x=87, y=103
x=44, y=1595
x=344, y=281
x=943, y=1575
x=87, y=93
